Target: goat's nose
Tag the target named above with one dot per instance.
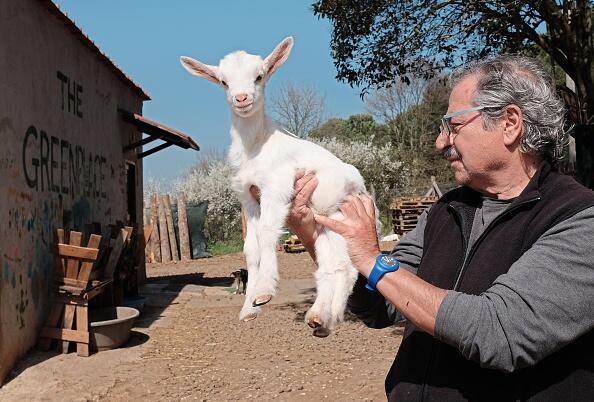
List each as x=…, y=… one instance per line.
x=241, y=97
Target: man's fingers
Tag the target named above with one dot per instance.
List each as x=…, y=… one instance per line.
x=368, y=204
x=305, y=189
x=301, y=181
x=331, y=224
x=357, y=205
x=347, y=209
x=308, y=189
x=299, y=174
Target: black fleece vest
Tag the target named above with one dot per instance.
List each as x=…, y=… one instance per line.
x=426, y=369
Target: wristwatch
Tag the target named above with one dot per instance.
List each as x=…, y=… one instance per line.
x=384, y=263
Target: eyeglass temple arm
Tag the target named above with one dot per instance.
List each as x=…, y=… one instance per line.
x=454, y=114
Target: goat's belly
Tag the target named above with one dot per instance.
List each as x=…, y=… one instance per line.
x=333, y=188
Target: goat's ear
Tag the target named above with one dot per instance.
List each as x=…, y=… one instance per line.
x=279, y=55
x=205, y=71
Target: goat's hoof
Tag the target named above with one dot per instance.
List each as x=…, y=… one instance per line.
x=315, y=322
x=260, y=300
x=321, y=332
x=250, y=317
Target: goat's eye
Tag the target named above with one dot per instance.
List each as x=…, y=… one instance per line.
x=224, y=83
x=259, y=78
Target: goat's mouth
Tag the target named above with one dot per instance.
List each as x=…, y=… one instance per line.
x=244, y=108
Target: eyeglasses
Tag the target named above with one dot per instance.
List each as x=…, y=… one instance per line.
x=446, y=125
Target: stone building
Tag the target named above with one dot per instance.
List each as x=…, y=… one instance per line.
x=71, y=128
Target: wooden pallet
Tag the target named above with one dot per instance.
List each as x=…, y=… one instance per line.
x=412, y=202
x=406, y=211
x=293, y=245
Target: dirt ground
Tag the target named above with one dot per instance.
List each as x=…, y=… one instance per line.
x=189, y=345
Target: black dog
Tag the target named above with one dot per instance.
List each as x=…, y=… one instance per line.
x=241, y=279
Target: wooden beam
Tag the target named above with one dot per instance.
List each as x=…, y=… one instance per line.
x=155, y=252
x=67, y=325
x=164, y=233
x=84, y=253
x=87, y=266
x=116, y=252
x=182, y=223
x=142, y=142
x=170, y=228
x=82, y=325
x=70, y=251
x=153, y=150
x=65, y=334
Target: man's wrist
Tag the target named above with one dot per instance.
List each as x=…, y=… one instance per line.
x=367, y=265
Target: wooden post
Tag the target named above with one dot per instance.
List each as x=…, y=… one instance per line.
x=170, y=228
x=165, y=250
x=155, y=247
x=182, y=222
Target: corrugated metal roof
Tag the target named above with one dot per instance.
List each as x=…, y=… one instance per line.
x=55, y=10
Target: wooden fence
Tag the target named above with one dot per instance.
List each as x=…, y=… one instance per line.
x=163, y=244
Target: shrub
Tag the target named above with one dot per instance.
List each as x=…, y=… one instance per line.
x=210, y=181
x=379, y=166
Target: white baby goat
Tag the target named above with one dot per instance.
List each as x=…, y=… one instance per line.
x=268, y=157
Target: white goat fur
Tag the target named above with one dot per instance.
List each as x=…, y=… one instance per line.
x=268, y=157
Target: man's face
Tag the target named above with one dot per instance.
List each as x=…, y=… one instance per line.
x=474, y=153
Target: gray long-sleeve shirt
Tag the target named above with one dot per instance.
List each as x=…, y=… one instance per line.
x=542, y=303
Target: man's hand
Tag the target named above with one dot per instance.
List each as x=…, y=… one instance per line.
x=301, y=218
x=358, y=229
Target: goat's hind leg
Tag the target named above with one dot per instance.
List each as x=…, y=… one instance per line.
x=318, y=316
x=335, y=278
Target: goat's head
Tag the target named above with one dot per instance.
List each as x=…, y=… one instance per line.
x=242, y=75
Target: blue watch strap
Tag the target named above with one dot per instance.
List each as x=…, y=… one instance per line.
x=384, y=263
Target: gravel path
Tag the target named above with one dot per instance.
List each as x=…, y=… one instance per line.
x=189, y=345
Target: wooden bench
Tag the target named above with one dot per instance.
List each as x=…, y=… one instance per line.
x=77, y=280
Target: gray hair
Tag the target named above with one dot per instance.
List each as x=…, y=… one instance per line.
x=522, y=81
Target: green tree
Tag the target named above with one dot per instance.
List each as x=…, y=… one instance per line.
x=378, y=42
x=358, y=127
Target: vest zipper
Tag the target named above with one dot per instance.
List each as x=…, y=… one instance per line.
x=482, y=236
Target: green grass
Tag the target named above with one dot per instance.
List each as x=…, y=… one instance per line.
x=226, y=247
x=235, y=245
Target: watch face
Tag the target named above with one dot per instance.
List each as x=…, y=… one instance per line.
x=389, y=260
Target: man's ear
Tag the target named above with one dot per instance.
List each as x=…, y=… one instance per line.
x=513, y=120
x=205, y=71
x=279, y=55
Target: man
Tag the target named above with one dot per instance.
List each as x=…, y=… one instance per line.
x=497, y=279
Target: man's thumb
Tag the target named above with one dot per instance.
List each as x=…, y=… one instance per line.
x=331, y=224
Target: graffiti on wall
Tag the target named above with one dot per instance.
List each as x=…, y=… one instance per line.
x=8, y=160
x=57, y=165
x=70, y=94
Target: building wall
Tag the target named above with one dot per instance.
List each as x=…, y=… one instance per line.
x=61, y=160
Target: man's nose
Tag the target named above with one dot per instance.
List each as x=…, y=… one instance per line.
x=442, y=141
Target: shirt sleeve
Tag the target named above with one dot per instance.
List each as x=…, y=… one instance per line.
x=371, y=307
x=541, y=304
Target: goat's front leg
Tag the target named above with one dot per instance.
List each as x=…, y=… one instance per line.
x=251, y=250
x=274, y=206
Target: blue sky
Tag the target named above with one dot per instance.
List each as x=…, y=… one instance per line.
x=146, y=37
